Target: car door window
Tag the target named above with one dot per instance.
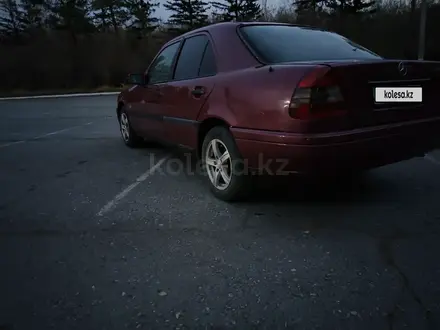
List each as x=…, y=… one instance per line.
x=190, y=57
x=208, y=66
x=161, y=69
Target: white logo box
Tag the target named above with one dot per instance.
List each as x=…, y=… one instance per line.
x=398, y=94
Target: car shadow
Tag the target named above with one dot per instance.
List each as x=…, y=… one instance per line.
x=353, y=203
x=300, y=188
x=297, y=188
x=372, y=202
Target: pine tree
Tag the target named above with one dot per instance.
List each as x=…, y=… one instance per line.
x=71, y=16
x=303, y=6
x=110, y=14
x=187, y=14
x=238, y=10
x=142, y=16
x=252, y=10
x=34, y=15
x=352, y=6
x=11, y=21
x=362, y=6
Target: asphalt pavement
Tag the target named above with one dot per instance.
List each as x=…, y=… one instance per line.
x=94, y=235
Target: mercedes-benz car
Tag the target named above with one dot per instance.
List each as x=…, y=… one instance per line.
x=279, y=98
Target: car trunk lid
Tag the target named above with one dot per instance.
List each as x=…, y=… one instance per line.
x=358, y=81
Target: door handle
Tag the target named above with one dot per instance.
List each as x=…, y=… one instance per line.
x=198, y=91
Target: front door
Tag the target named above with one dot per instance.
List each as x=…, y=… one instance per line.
x=185, y=96
x=159, y=74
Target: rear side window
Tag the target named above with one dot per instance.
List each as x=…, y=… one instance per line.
x=208, y=66
x=281, y=43
x=190, y=57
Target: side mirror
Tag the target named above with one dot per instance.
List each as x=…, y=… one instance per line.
x=135, y=79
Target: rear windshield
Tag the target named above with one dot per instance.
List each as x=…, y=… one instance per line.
x=282, y=43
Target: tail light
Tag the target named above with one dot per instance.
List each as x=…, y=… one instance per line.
x=316, y=96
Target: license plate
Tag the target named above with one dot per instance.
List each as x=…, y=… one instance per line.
x=398, y=94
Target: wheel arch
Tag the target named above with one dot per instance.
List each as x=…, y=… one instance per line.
x=205, y=126
x=119, y=108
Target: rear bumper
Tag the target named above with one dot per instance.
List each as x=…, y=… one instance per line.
x=347, y=150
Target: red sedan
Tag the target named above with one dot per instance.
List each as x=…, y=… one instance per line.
x=280, y=99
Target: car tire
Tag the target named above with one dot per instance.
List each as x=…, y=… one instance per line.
x=129, y=136
x=223, y=166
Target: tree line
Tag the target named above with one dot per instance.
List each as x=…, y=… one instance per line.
x=26, y=18
x=86, y=44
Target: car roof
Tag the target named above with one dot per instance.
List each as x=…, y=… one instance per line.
x=231, y=52
x=226, y=27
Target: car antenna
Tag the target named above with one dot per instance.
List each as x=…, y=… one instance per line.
x=271, y=69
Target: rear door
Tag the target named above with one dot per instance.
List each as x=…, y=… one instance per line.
x=193, y=82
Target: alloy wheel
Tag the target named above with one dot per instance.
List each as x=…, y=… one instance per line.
x=125, y=128
x=218, y=164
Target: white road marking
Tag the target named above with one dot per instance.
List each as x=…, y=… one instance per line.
x=432, y=159
x=111, y=204
x=42, y=136
x=54, y=96
x=11, y=144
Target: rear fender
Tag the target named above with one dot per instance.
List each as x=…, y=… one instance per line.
x=256, y=98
